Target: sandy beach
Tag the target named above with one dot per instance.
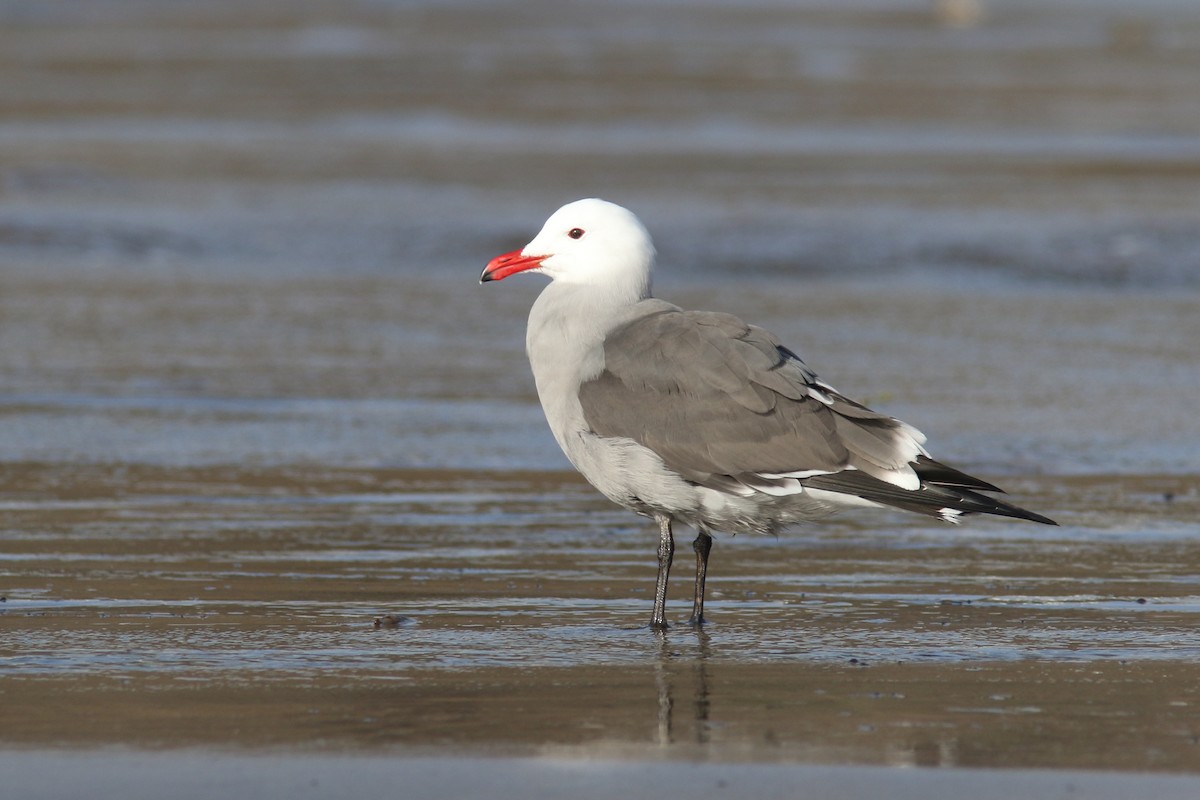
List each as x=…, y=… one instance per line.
x=254, y=399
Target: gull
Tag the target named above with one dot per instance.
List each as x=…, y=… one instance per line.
x=698, y=418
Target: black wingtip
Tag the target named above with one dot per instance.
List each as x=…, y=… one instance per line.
x=1003, y=509
x=1039, y=518
x=932, y=499
x=935, y=472
x=953, y=480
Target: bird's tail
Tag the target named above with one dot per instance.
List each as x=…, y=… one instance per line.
x=945, y=493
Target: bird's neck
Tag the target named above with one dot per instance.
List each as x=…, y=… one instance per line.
x=565, y=341
x=567, y=320
x=568, y=324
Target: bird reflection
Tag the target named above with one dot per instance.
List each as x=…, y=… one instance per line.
x=670, y=666
x=833, y=725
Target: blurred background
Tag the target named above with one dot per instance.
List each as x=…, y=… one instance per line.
x=252, y=395
x=221, y=200
x=293, y=198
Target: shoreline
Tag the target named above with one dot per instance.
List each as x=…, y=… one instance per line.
x=132, y=775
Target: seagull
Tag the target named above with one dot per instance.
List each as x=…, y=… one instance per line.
x=698, y=418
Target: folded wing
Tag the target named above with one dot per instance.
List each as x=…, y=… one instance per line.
x=727, y=406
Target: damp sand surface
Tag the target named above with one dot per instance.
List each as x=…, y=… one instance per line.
x=252, y=399
x=173, y=599
x=319, y=617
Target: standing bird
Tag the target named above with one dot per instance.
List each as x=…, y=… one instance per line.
x=697, y=417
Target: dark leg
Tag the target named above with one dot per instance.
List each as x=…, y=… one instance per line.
x=666, y=551
x=702, y=546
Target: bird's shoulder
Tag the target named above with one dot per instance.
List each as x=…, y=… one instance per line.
x=703, y=352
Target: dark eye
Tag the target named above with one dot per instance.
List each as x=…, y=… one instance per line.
x=575, y=233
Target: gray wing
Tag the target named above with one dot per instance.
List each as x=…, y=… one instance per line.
x=713, y=396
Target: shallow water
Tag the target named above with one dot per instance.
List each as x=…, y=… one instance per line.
x=252, y=399
x=163, y=606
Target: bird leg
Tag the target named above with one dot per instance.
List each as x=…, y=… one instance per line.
x=702, y=545
x=666, y=551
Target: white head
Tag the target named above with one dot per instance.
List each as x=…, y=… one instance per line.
x=590, y=242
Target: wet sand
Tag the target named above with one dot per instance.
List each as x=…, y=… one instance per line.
x=251, y=399
x=188, y=775
x=173, y=607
